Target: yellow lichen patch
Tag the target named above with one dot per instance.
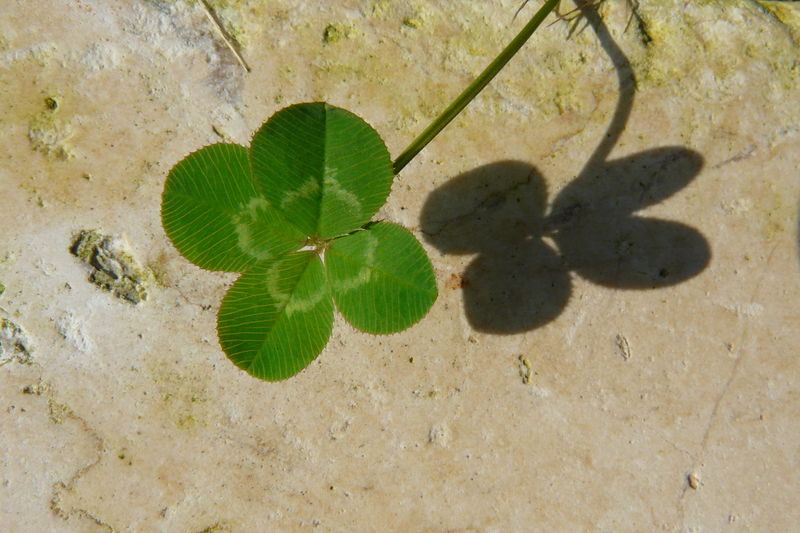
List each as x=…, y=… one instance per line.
x=183, y=397
x=113, y=269
x=218, y=527
x=58, y=412
x=49, y=134
x=14, y=343
x=411, y=22
x=788, y=14
x=381, y=8
x=226, y=14
x=37, y=389
x=336, y=32
x=410, y=13
x=701, y=32
x=239, y=19
x=236, y=16
x=525, y=369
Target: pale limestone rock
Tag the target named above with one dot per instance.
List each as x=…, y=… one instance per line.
x=131, y=418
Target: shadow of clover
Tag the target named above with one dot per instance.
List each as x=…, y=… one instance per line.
x=593, y=221
x=518, y=281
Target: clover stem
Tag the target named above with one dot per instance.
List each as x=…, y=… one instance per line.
x=474, y=88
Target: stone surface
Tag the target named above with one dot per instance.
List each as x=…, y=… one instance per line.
x=615, y=345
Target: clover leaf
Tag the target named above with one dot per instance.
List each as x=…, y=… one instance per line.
x=292, y=214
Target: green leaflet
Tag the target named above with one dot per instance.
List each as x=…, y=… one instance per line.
x=326, y=170
x=216, y=218
x=277, y=317
x=382, y=280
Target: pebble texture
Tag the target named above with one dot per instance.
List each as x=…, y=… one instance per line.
x=613, y=224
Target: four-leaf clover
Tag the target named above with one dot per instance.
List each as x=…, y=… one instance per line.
x=292, y=214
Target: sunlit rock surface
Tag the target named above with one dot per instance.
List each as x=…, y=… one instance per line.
x=613, y=224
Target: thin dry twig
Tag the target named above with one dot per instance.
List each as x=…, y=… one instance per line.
x=229, y=41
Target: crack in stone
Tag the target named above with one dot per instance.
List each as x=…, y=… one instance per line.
x=61, y=487
x=712, y=419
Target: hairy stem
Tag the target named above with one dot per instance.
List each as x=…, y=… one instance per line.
x=474, y=88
